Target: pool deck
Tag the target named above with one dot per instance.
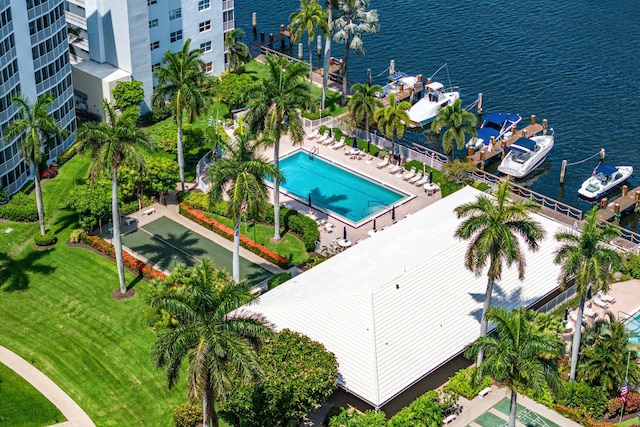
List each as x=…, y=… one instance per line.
x=365, y=166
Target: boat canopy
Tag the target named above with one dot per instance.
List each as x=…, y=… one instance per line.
x=523, y=145
x=397, y=76
x=486, y=133
x=500, y=118
x=435, y=86
x=606, y=169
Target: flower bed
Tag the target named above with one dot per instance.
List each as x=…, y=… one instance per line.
x=217, y=227
x=130, y=262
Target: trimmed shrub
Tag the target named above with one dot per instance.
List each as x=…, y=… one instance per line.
x=592, y=400
x=67, y=155
x=76, y=235
x=50, y=172
x=425, y=410
x=45, y=240
x=305, y=227
x=187, y=415
x=278, y=279
x=460, y=384
x=21, y=208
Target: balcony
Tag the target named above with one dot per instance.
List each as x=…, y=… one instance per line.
x=76, y=20
x=77, y=2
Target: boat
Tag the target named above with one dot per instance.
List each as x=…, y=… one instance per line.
x=498, y=125
x=436, y=97
x=526, y=154
x=604, y=179
x=397, y=82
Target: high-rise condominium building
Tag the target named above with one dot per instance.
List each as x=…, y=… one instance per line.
x=34, y=59
x=121, y=40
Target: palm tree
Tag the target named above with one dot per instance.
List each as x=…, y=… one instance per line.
x=352, y=23
x=587, y=262
x=518, y=355
x=393, y=120
x=74, y=37
x=273, y=112
x=492, y=226
x=180, y=80
x=112, y=144
x=327, y=53
x=219, y=341
x=458, y=122
x=35, y=127
x=363, y=104
x=240, y=175
x=237, y=51
x=305, y=20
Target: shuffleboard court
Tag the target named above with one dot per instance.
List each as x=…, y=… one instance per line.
x=166, y=243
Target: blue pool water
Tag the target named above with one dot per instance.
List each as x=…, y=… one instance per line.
x=633, y=326
x=334, y=189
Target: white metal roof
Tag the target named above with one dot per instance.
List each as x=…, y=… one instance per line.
x=396, y=306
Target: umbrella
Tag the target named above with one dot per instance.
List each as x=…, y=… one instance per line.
x=374, y=223
x=393, y=213
x=430, y=177
x=355, y=142
x=344, y=233
x=566, y=314
x=368, y=146
x=330, y=132
x=589, y=293
x=309, y=199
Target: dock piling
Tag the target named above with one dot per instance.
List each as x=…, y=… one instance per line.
x=480, y=104
x=636, y=199
x=392, y=67
x=545, y=124
x=563, y=169
x=616, y=213
x=319, y=42
x=533, y=119
x=625, y=190
x=300, y=53
x=602, y=155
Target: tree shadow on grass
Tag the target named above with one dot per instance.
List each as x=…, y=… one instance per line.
x=13, y=276
x=65, y=219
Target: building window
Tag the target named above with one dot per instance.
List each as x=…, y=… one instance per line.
x=208, y=67
x=155, y=66
x=150, y=2
x=176, y=35
x=204, y=4
x=153, y=23
x=205, y=26
x=205, y=47
x=175, y=14
x=227, y=16
x=155, y=45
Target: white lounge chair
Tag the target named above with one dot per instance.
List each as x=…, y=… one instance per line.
x=407, y=176
x=606, y=298
x=383, y=163
x=597, y=301
x=339, y=144
x=322, y=138
x=416, y=178
x=590, y=313
x=573, y=315
x=328, y=227
x=313, y=135
x=394, y=169
x=422, y=181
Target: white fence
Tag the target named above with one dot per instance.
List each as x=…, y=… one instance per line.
x=558, y=301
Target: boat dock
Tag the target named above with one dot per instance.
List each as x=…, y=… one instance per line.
x=497, y=149
x=610, y=210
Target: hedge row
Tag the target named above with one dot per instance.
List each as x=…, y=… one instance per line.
x=130, y=262
x=21, y=208
x=217, y=227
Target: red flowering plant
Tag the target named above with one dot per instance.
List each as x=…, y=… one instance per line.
x=49, y=172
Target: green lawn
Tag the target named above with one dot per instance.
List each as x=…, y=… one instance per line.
x=22, y=405
x=57, y=312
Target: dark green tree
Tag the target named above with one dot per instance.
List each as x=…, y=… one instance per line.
x=393, y=120
x=363, y=104
x=128, y=94
x=91, y=202
x=237, y=51
x=353, y=418
x=492, y=225
x=161, y=175
x=458, y=122
x=518, y=355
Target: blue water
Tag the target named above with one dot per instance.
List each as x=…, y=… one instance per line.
x=334, y=189
x=633, y=326
x=574, y=63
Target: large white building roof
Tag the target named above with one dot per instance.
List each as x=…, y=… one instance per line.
x=396, y=306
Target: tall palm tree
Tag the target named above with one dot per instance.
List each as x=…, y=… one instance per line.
x=492, y=226
x=518, y=355
x=393, y=120
x=237, y=51
x=309, y=17
x=458, y=122
x=352, y=23
x=273, y=112
x=180, y=81
x=35, y=127
x=240, y=175
x=218, y=340
x=113, y=144
x=363, y=104
x=587, y=262
x=327, y=53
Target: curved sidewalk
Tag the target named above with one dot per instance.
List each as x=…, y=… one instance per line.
x=75, y=416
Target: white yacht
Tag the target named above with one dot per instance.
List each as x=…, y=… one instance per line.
x=526, y=154
x=604, y=179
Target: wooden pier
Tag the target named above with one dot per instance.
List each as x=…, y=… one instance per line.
x=478, y=158
x=615, y=208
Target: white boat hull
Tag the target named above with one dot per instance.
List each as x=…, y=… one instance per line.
x=595, y=187
x=514, y=163
x=425, y=111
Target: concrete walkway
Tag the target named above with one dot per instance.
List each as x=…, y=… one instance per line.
x=74, y=414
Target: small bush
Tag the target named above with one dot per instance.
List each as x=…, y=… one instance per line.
x=305, y=227
x=133, y=206
x=50, y=172
x=187, y=415
x=460, y=384
x=76, y=235
x=592, y=400
x=21, y=208
x=632, y=405
x=45, y=240
x=278, y=279
x=631, y=265
x=67, y=155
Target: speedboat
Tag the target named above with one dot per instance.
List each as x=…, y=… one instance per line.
x=397, y=82
x=604, y=179
x=436, y=97
x=498, y=125
x=526, y=154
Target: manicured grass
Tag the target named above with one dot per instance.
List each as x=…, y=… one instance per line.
x=289, y=246
x=58, y=313
x=23, y=405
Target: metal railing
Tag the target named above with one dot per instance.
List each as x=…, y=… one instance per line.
x=558, y=300
x=315, y=124
x=202, y=172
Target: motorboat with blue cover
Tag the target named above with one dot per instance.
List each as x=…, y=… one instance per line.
x=526, y=154
x=498, y=125
x=604, y=179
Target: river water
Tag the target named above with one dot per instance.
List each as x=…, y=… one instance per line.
x=575, y=63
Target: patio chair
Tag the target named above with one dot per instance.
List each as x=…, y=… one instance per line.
x=394, y=169
x=416, y=178
x=322, y=138
x=329, y=141
x=407, y=176
x=422, y=181
x=383, y=163
x=590, y=313
x=597, y=301
x=606, y=298
x=328, y=227
x=339, y=144
x=313, y=135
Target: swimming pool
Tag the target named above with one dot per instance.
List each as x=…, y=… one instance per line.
x=633, y=325
x=334, y=189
